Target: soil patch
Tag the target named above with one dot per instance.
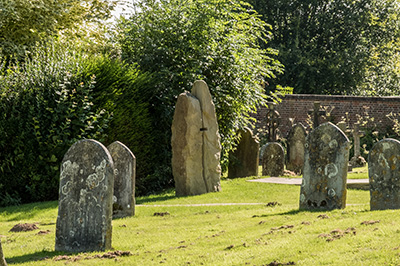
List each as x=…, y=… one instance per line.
x=23, y=227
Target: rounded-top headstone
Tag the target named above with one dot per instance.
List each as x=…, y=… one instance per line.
x=295, y=148
x=124, y=179
x=212, y=144
x=273, y=162
x=2, y=259
x=325, y=169
x=85, y=198
x=384, y=175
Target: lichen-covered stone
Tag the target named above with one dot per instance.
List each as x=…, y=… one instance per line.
x=325, y=169
x=211, y=137
x=2, y=259
x=295, y=148
x=124, y=179
x=85, y=198
x=187, y=147
x=244, y=160
x=273, y=163
x=384, y=175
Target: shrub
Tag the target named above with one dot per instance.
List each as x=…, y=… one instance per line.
x=45, y=106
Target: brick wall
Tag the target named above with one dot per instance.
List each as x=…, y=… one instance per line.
x=297, y=106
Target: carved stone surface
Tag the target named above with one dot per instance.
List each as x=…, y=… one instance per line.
x=211, y=137
x=325, y=169
x=295, y=148
x=244, y=160
x=273, y=160
x=85, y=198
x=187, y=147
x=384, y=175
x=124, y=179
x=2, y=259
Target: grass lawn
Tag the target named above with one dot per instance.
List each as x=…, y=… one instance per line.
x=205, y=230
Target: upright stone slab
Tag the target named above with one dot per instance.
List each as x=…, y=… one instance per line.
x=273, y=159
x=295, y=148
x=325, y=169
x=211, y=137
x=187, y=147
x=85, y=198
x=124, y=180
x=244, y=160
x=384, y=175
x=2, y=259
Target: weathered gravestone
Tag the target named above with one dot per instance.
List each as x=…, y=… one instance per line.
x=384, y=175
x=325, y=169
x=85, y=198
x=295, y=148
x=357, y=160
x=195, y=141
x=244, y=160
x=273, y=119
x=2, y=259
x=273, y=163
x=316, y=114
x=124, y=179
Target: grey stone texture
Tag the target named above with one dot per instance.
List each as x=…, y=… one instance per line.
x=273, y=162
x=296, y=141
x=85, y=198
x=211, y=137
x=2, y=259
x=195, y=141
x=244, y=160
x=384, y=175
x=357, y=160
x=325, y=169
x=124, y=180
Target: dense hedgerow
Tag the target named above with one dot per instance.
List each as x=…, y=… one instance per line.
x=45, y=106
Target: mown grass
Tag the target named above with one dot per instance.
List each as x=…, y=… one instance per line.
x=205, y=230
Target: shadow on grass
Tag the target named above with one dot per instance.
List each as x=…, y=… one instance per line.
x=37, y=256
x=27, y=211
x=294, y=212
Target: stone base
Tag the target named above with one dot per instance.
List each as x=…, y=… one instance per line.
x=358, y=161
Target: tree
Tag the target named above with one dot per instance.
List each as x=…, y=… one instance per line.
x=328, y=46
x=181, y=41
x=25, y=22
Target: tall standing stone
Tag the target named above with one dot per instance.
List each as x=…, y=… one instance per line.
x=2, y=259
x=124, y=179
x=85, y=198
x=244, y=160
x=211, y=137
x=187, y=146
x=273, y=159
x=295, y=148
x=325, y=169
x=384, y=175
x=195, y=141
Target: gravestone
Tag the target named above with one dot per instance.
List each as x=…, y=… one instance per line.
x=244, y=160
x=325, y=169
x=273, y=119
x=211, y=137
x=357, y=160
x=124, y=179
x=2, y=259
x=85, y=198
x=273, y=163
x=384, y=175
x=316, y=114
x=195, y=141
x=295, y=148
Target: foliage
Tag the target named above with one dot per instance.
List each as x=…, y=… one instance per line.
x=44, y=108
x=25, y=22
x=334, y=46
x=122, y=90
x=180, y=41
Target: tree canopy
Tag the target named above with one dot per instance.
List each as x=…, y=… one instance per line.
x=218, y=41
x=333, y=46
